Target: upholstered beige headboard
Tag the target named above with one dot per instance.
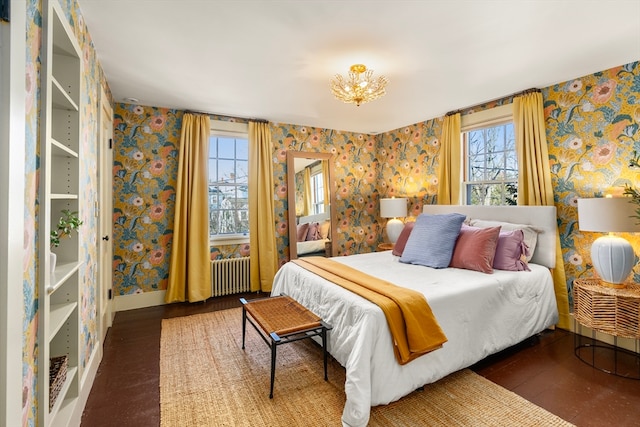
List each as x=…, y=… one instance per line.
x=542, y=217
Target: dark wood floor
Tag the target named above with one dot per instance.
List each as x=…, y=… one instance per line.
x=545, y=371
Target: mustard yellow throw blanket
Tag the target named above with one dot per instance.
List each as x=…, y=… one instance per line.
x=413, y=326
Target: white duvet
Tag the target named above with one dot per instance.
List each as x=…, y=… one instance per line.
x=311, y=246
x=480, y=313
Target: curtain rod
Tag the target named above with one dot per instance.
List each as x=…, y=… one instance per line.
x=513, y=95
x=206, y=113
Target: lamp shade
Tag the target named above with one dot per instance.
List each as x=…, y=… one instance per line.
x=612, y=256
x=393, y=208
x=608, y=215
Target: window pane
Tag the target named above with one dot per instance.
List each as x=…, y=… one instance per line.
x=226, y=148
x=213, y=147
x=242, y=149
x=242, y=172
x=213, y=171
x=226, y=170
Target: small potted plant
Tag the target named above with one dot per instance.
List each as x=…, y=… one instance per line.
x=67, y=223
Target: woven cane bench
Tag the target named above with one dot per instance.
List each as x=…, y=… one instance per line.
x=281, y=320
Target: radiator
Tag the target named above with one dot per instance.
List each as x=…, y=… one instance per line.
x=230, y=276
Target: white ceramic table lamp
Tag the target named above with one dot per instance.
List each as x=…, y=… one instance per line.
x=612, y=256
x=393, y=208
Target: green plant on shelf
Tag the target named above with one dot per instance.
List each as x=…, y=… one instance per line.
x=67, y=223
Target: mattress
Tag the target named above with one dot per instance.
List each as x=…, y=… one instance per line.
x=480, y=313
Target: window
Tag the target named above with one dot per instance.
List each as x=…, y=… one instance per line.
x=317, y=189
x=491, y=163
x=228, y=184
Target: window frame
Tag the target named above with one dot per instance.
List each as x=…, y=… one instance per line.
x=316, y=185
x=231, y=130
x=493, y=117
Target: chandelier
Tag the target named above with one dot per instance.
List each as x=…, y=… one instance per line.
x=359, y=86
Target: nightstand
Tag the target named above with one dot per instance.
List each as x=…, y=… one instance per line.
x=385, y=246
x=612, y=311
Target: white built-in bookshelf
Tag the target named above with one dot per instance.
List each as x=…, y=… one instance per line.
x=59, y=293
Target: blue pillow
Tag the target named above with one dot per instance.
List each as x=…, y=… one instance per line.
x=432, y=240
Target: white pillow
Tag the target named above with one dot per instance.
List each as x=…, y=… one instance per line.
x=530, y=232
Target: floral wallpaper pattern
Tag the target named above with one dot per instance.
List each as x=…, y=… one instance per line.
x=355, y=173
x=145, y=170
x=592, y=127
x=92, y=80
x=30, y=262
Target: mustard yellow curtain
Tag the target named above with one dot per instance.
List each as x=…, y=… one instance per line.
x=263, y=252
x=449, y=161
x=534, y=179
x=307, y=192
x=327, y=185
x=189, y=270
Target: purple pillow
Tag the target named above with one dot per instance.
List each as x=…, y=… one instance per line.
x=511, y=251
x=475, y=248
x=398, y=248
x=302, y=232
x=314, y=231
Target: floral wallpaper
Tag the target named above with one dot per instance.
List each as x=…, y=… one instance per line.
x=409, y=158
x=30, y=262
x=92, y=80
x=356, y=170
x=592, y=127
x=145, y=170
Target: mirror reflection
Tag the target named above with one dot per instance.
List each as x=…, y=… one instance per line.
x=310, y=204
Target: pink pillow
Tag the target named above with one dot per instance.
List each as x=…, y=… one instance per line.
x=475, y=248
x=314, y=231
x=302, y=232
x=398, y=248
x=511, y=251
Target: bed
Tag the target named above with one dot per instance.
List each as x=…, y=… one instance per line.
x=315, y=246
x=480, y=313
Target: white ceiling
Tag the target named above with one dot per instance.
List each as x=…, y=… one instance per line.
x=273, y=59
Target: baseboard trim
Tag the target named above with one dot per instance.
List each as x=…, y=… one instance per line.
x=86, y=382
x=134, y=301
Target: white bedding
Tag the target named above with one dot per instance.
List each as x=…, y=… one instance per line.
x=311, y=246
x=480, y=314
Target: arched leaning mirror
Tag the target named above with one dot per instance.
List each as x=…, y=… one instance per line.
x=311, y=198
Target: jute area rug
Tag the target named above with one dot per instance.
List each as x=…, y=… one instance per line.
x=206, y=379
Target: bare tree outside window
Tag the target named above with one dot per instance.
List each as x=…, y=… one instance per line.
x=228, y=185
x=492, y=166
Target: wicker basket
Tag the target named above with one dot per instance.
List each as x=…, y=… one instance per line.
x=609, y=310
x=57, y=377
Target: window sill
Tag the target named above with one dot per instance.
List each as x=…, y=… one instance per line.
x=228, y=240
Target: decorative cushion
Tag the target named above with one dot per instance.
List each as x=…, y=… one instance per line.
x=314, y=231
x=302, y=232
x=325, y=227
x=510, y=251
x=475, y=248
x=530, y=232
x=398, y=248
x=432, y=240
